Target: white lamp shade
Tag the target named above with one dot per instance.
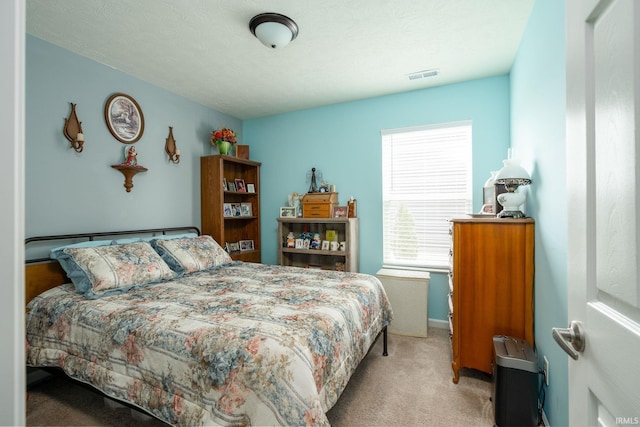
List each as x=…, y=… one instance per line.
x=273, y=34
x=512, y=170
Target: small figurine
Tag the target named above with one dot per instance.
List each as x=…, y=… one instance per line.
x=315, y=243
x=312, y=177
x=131, y=156
x=324, y=187
x=291, y=240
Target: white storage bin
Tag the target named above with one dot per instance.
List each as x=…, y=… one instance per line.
x=407, y=291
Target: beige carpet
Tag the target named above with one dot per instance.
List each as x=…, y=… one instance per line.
x=410, y=387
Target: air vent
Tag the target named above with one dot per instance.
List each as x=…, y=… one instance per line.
x=423, y=74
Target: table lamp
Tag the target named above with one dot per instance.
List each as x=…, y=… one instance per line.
x=512, y=176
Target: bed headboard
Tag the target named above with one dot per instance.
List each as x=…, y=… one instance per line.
x=42, y=273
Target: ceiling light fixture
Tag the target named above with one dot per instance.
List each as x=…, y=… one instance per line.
x=273, y=29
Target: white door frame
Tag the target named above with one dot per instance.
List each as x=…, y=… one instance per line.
x=12, y=336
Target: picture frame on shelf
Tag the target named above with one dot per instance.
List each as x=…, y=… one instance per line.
x=236, y=209
x=246, y=245
x=227, y=210
x=251, y=188
x=224, y=184
x=232, y=186
x=325, y=245
x=306, y=244
x=340, y=211
x=232, y=247
x=287, y=212
x=246, y=209
x=241, y=187
x=299, y=244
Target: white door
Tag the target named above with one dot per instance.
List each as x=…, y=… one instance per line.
x=603, y=181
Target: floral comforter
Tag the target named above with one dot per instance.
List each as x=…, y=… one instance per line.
x=243, y=344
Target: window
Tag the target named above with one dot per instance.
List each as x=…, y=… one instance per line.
x=426, y=179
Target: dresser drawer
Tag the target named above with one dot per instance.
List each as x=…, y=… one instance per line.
x=317, y=210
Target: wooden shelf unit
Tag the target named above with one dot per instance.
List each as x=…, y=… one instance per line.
x=213, y=169
x=490, y=287
x=346, y=230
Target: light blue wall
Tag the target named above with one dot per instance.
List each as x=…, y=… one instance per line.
x=69, y=192
x=344, y=142
x=538, y=105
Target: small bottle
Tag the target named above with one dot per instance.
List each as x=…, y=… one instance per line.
x=352, y=207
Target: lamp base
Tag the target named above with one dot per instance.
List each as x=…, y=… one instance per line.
x=511, y=214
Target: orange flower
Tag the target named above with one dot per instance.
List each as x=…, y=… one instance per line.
x=224, y=134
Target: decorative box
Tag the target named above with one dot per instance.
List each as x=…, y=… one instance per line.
x=319, y=205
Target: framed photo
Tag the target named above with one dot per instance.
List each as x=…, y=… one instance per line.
x=325, y=245
x=306, y=244
x=251, y=188
x=246, y=245
x=224, y=184
x=124, y=118
x=288, y=211
x=240, y=185
x=227, y=210
x=340, y=211
x=231, y=186
x=299, y=244
x=236, y=209
x=232, y=247
x=246, y=209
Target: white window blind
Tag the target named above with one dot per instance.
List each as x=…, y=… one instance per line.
x=426, y=175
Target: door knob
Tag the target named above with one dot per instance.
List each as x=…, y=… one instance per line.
x=571, y=339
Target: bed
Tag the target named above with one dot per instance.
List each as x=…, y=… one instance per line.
x=164, y=320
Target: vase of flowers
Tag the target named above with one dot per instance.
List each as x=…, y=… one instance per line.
x=223, y=138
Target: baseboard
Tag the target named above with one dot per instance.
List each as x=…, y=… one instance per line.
x=437, y=323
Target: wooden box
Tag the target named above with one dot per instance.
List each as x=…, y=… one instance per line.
x=319, y=205
x=242, y=151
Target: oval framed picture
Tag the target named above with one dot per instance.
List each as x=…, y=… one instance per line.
x=124, y=118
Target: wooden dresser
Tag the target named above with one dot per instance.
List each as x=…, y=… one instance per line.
x=491, y=287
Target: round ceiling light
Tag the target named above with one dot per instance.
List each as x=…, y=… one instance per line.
x=273, y=29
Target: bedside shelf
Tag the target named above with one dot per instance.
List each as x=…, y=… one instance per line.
x=346, y=230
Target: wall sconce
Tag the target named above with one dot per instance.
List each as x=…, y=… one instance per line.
x=73, y=130
x=170, y=147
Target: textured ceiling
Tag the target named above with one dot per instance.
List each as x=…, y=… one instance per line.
x=346, y=50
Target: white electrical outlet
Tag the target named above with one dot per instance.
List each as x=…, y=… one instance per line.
x=545, y=369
